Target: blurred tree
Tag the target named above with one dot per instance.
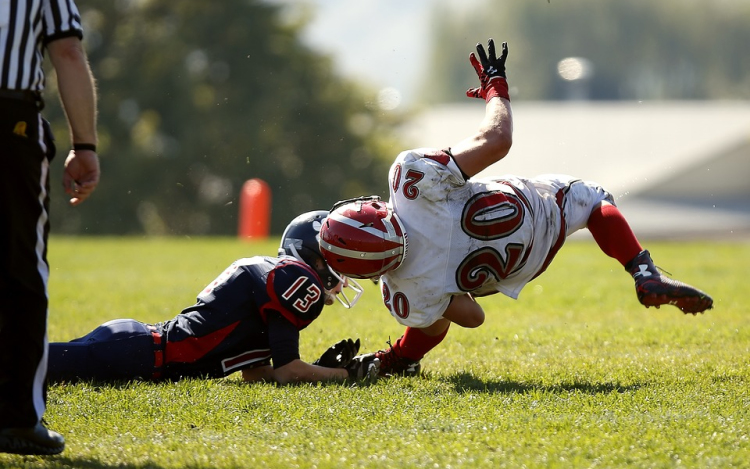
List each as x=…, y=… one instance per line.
x=197, y=97
x=639, y=49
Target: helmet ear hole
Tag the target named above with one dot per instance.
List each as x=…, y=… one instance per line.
x=300, y=240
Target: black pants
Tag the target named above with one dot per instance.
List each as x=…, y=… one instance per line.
x=25, y=150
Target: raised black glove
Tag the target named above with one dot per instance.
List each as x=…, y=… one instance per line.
x=364, y=368
x=491, y=72
x=339, y=354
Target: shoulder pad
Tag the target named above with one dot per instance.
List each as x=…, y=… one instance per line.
x=296, y=292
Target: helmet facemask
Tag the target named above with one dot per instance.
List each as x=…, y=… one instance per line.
x=350, y=283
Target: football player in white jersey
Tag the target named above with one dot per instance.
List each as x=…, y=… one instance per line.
x=444, y=238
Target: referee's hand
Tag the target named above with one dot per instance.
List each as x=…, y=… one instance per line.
x=81, y=175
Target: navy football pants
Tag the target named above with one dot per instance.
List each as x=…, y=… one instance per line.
x=122, y=349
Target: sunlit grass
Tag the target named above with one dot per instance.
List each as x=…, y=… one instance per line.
x=574, y=374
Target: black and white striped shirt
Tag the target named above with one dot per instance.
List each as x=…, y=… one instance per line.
x=26, y=27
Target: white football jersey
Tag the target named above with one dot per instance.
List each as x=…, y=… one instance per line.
x=473, y=236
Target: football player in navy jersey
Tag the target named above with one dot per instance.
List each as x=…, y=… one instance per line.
x=248, y=319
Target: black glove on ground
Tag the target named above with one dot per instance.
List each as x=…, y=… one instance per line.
x=339, y=354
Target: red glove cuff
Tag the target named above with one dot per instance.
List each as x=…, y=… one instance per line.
x=497, y=86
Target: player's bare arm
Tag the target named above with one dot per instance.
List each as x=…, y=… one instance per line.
x=293, y=372
x=361, y=368
x=490, y=144
x=338, y=363
x=331, y=366
x=299, y=371
x=493, y=140
x=261, y=373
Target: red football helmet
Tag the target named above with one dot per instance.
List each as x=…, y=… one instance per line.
x=363, y=238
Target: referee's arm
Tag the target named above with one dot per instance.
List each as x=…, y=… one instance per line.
x=75, y=84
x=77, y=90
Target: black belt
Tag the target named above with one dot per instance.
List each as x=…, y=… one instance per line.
x=23, y=95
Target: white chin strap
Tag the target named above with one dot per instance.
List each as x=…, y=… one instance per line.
x=347, y=282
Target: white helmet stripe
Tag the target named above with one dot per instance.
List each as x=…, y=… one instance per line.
x=361, y=255
x=354, y=224
x=390, y=235
x=388, y=267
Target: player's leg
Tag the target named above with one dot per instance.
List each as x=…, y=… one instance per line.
x=122, y=349
x=464, y=311
x=612, y=232
x=615, y=238
x=402, y=357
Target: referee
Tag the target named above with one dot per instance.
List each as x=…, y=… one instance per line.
x=27, y=28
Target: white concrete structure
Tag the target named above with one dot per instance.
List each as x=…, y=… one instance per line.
x=676, y=169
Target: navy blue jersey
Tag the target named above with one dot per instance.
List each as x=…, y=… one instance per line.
x=250, y=314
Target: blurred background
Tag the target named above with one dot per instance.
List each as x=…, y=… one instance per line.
x=651, y=99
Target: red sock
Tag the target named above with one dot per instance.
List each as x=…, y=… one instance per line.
x=414, y=344
x=613, y=234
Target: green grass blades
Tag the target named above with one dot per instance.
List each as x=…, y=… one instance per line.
x=576, y=373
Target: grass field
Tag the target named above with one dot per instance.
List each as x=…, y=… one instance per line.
x=573, y=374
